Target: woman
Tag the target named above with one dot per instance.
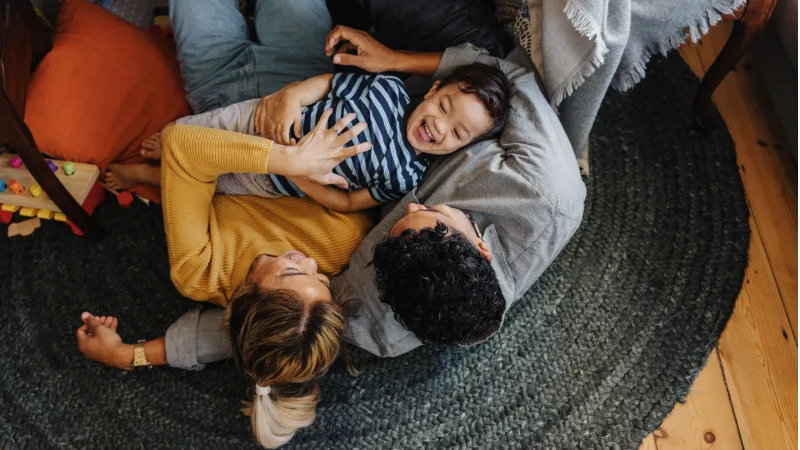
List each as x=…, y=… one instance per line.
x=244, y=253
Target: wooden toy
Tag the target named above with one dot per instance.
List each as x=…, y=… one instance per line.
x=69, y=168
x=15, y=162
x=125, y=199
x=3, y=186
x=28, y=212
x=45, y=214
x=81, y=183
x=36, y=191
x=24, y=228
x=15, y=187
x=5, y=216
x=52, y=165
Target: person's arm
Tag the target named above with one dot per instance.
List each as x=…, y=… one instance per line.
x=336, y=199
x=312, y=90
x=375, y=57
x=237, y=117
x=102, y=344
x=194, y=340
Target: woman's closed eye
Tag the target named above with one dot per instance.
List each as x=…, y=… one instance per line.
x=295, y=271
x=441, y=106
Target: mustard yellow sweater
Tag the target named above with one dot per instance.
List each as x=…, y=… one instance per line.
x=213, y=239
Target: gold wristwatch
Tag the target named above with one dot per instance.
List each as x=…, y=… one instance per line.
x=139, y=358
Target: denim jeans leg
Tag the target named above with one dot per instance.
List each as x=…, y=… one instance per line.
x=215, y=56
x=291, y=47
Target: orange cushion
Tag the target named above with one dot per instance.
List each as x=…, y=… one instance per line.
x=103, y=89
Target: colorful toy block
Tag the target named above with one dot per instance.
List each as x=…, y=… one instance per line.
x=16, y=187
x=61, y=217
x=28, y=212
x=5, y=217
x=3, y=186
x=69, y=168
x=16, y=162
x=10, y=208
x=125, y=199
x=45, y=214
x=52, y=166
x=36, y=191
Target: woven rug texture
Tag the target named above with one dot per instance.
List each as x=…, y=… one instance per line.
x=593, y=357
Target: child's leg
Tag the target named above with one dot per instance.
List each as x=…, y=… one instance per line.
x=237, y=117
x=123, y=176
x=247, y=184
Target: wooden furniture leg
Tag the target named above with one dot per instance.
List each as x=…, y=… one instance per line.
x=751, y=22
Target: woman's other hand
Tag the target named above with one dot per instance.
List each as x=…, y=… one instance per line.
x=370, y=54
x=277, y=114
x=319, y=151
x=98, y=340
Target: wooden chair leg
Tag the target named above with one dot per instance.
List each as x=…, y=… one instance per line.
x=21, y=141
x=753, y=20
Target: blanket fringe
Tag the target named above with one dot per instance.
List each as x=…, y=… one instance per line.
x=586, y=26
x=624, y=81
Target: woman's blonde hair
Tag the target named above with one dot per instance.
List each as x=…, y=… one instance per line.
x=282, y=341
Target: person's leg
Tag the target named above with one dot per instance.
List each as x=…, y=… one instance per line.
x=291, y=47
x=123, y=176
x=432, y=26
x=214, y=53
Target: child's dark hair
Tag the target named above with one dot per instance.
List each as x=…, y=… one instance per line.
x=490, y=85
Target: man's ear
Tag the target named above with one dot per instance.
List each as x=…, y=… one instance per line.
x=433, y=89
x=484, y=250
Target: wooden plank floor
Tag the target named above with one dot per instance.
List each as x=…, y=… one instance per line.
x=746, y=396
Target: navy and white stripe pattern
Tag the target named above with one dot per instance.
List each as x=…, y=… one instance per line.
x=391, y=168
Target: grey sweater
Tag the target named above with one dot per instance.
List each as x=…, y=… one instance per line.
x=524, y=192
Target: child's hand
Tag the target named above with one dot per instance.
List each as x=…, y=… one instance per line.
x=276, y=114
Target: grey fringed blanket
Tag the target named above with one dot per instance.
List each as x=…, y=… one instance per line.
x=589, y=45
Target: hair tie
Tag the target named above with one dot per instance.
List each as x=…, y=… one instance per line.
x=262, y=390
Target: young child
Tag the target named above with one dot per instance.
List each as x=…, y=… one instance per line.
x=467, y=106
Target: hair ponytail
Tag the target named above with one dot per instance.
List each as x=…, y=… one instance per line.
x=276, y=420
x=282, y=341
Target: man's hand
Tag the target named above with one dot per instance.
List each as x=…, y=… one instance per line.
x=277, y=113
x=98, y=340
x=370, y=54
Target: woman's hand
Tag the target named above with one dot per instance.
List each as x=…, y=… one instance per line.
x=319, y=151
x=276, y=114
x=98, y=340
x=371, y=55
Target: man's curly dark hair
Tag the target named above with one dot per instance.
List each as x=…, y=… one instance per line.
x=439, y=286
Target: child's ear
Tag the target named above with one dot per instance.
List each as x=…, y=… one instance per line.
x=433, y=89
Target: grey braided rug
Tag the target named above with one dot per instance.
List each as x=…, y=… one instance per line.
x=594, y=357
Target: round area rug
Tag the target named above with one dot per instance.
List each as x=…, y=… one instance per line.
x=594, y=356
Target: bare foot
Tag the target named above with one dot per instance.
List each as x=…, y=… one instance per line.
x=123, y=176
x=151, y=147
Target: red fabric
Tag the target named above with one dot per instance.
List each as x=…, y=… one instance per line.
x=103, y=89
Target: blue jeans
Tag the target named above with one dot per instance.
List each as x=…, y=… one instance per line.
x=220, y=66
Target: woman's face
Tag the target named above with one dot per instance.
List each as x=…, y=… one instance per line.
x=291, y=270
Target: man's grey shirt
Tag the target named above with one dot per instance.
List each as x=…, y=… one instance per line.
x=524, y=191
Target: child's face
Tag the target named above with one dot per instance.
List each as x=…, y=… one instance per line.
x=447, y=120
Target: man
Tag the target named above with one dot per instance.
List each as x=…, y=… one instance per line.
x=441, y=278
